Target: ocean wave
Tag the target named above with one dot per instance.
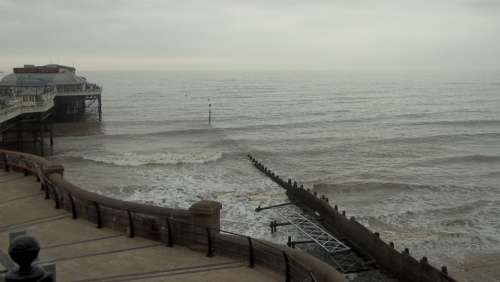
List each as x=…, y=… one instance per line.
x=485, y=159
x=138, y=122
x=446, y=138
x=172, y=132
x=376, y=187
x=136, y=159
x=489, y=122
x=493, y=174
x=354, y=187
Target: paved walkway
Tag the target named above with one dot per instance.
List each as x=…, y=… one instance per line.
x=82, y=252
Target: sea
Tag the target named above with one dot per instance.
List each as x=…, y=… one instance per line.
x=414, y=155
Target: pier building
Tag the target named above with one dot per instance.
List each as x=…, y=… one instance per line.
x=32, y=97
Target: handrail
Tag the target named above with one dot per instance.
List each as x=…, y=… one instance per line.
x=57, y=180
x=172, y=226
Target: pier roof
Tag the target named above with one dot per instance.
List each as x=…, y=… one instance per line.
x=42, y=75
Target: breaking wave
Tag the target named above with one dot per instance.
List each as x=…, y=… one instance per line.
x=135, y=159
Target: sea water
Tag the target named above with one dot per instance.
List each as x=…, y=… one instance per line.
x=413, y=155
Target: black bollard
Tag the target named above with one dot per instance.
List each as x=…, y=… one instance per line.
x=24, y=250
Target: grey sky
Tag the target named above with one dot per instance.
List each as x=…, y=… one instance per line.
x=251, y=34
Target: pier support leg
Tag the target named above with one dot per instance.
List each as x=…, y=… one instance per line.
x=4, y=139
x=51, y=132
x=20, y=136
x=99, y=104
x=41, y=139
x=35, y=138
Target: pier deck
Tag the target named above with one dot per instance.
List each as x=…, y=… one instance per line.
x=82, y=252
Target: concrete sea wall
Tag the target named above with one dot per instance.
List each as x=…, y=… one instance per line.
x=401, y=264
x=197, y=227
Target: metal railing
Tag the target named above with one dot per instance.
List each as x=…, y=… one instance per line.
x=170, y=226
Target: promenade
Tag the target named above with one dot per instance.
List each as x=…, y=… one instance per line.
x=83, y=252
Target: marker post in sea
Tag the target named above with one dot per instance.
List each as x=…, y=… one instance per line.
x=209, y=112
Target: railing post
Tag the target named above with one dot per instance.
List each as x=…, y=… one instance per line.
x=287, y=267
x=250, y=253
x=98, y=212
x=5, y=163
x=210, y=252
x=170, y=241
x=131, y=232
x=56, y=198
x=313, y=278
x=45, y=187
x=73, y=207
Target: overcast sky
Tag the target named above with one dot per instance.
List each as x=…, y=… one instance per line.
x=251, y=34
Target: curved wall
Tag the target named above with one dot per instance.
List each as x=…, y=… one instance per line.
x=196, y=228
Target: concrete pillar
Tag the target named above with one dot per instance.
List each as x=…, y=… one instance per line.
x=206, y=213
x=59, y=169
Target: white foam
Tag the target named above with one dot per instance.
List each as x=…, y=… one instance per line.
x=139, y=159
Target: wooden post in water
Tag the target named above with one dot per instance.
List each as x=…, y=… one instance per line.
x=209, y=112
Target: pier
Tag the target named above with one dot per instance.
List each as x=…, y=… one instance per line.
x=33, y=97
x=89, y=237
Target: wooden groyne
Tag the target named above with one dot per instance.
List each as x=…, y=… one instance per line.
x=401, y=264
x=197, y=228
